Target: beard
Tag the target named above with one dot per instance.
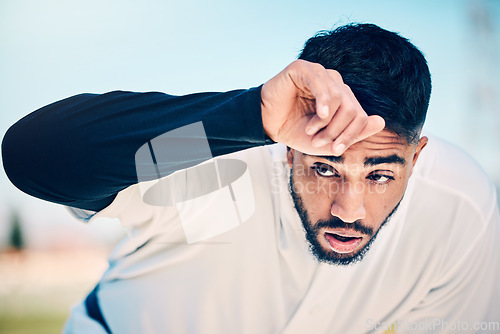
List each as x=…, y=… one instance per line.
x=313, y=233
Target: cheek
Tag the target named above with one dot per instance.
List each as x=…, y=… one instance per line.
x=380, y=201
x=306, y=183
x=315, y=193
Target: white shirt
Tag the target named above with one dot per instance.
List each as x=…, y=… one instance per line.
x=434, y=266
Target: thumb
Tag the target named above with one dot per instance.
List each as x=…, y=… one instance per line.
x=374, y=125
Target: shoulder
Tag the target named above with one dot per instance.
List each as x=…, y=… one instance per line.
x=451, y=208
x=450, y=170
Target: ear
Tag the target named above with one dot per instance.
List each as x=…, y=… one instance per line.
x=421, y=144
x=289, y=156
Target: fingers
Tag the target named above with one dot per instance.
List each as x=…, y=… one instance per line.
x=343, y=131
x=354, y=133
x=333, y=97
x=349, y=115
x=374, y=125
x=314, y=82
x=351, y=135
x=345, y=125
x=309, y=108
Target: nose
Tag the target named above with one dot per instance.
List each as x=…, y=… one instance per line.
x=348, y=203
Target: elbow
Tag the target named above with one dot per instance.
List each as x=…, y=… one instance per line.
x=14, y=162
x=25, y=159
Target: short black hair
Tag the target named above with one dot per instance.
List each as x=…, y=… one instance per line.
x=388, y=75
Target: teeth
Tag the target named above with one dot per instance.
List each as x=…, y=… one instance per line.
x=342, y=237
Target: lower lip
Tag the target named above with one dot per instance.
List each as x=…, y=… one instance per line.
x=342, y=246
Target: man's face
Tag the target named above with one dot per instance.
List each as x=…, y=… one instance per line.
x=344, y=201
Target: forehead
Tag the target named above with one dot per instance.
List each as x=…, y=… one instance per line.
x=382, y=144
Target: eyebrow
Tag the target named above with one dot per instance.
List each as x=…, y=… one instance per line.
x=391, y=159
x=331, y=158
x=372, y=161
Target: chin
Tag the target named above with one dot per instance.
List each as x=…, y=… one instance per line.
x=315, y=234
x=324, y=254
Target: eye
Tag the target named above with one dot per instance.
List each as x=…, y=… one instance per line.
x=324, y=170
x=379, y=178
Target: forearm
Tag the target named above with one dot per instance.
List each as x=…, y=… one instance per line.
x=81, y=151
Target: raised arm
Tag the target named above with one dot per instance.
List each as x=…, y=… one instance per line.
x=310, y=109
x=80, y=151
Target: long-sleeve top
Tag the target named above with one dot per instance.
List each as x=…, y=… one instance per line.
x=80, y=151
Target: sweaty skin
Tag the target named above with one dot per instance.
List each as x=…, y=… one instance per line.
x=345, y=167
x=309, y=108
x=361, y=187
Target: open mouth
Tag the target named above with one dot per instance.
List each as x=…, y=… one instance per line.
x=342, y=243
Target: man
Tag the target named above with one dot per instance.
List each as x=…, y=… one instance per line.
x=211, y=252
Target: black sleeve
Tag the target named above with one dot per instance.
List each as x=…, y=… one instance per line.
x=80, y=151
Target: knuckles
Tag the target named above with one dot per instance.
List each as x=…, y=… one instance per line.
x=335, y=75
x=363, y=118
x=336, y=95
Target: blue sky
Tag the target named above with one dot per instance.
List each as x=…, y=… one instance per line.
x=51, y=49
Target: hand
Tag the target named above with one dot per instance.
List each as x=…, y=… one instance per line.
x=310, y=109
